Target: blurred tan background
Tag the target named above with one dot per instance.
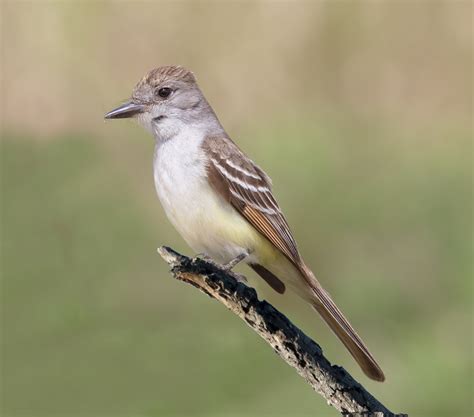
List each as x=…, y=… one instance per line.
x=362, y=114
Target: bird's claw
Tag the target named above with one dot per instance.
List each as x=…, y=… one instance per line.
x=224, y=267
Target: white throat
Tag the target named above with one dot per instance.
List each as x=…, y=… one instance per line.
x=178, y=151
x=179, y=171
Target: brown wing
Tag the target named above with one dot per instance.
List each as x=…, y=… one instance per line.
x=237, y=179
x=248, y=189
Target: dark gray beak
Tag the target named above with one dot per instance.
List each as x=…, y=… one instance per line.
x=125, y=111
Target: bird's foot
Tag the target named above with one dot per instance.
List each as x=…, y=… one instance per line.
x=226, y=267
x=205, y=257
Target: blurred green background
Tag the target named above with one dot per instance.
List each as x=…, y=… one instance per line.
x=360, y=111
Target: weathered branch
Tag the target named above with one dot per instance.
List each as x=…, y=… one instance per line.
x=332, y=382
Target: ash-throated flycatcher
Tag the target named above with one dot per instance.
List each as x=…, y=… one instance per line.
x=220, y=201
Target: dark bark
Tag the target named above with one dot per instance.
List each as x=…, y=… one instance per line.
x=333, y=382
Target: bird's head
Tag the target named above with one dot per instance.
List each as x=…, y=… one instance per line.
x=166, y=97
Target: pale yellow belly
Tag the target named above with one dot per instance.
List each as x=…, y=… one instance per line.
x=222, y=233
x=210, y=225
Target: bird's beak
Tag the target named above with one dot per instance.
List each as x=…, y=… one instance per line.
x=126, y=110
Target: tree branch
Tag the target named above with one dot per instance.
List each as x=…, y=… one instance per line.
x=332, y=382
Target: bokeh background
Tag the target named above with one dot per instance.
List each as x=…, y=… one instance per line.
x=360, y=111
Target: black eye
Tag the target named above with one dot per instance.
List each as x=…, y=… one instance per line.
x=164, y=92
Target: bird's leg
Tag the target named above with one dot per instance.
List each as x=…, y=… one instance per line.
x=229, y=265
x=233, y=262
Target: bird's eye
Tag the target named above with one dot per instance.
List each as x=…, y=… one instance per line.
x=164, y=92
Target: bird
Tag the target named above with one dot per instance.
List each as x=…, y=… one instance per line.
x=220, y=201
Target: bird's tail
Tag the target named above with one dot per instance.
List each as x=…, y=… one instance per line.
x=321, y=301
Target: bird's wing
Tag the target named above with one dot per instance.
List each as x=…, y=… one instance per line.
x=244, y=185
x=248, y=189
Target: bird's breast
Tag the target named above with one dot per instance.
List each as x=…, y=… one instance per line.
x=179, y=174
x=205, y=221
